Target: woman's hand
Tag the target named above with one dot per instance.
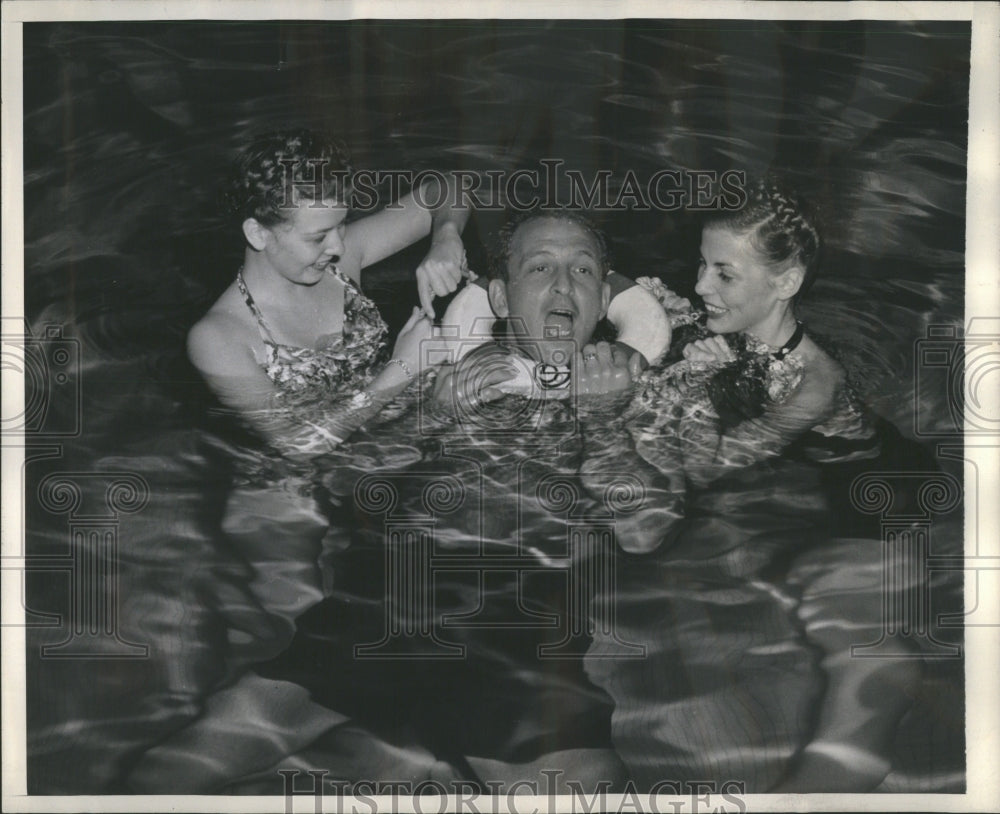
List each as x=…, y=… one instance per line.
x=601, y=369
x=669, y=299
x=712, y=349
x=440, y=272
x=412, y=335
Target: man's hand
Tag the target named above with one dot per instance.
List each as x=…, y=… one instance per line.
x=712, y=349
x=473, y=380
x=601, y=369
x=440, y=272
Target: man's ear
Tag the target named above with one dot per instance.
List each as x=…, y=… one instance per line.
x=255, y=233
x=789, y=281
x=498, y=298
x=605, y=299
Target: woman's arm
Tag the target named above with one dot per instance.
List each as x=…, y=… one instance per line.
x=709, y=455
x=234, y=376
x=798, y=394
x=442, y=213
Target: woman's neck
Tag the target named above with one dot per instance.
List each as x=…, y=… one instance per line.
x=776, y=332
x=266, y=284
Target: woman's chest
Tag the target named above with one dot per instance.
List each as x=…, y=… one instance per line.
x=313, y=319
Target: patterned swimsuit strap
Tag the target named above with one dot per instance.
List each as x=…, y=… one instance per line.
x=344, y=279
x=265, y=332
x=358, y=307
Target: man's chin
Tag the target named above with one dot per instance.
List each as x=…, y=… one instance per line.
x=556, y=346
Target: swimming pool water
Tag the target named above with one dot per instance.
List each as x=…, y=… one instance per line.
x=128, y=128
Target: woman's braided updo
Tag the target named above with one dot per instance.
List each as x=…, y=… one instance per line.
x=781, y=227
x=279, y=169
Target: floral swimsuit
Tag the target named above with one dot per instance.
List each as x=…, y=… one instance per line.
x=342, y=368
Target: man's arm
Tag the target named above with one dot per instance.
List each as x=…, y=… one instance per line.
x=648, y=492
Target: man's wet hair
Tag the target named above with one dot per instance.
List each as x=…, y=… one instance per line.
x=501, y=251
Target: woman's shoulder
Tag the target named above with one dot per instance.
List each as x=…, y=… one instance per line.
x=228, y=314
x=823, y=378
x=820, y=366
x=227, y=327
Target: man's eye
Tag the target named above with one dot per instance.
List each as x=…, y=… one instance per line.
x=541, y=267
x=724, y=277
x=584, y=270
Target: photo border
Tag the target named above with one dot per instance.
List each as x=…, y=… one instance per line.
x=982, y=302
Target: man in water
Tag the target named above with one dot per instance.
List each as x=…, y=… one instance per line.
x=550, y=283
x=464, y=612
x=516, y=703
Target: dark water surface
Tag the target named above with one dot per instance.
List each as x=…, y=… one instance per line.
x=128, y=129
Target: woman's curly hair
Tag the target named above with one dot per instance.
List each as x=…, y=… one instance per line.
x=781, y=225
x=278, y=169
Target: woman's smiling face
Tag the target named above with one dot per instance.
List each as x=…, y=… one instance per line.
x=740, y=290
x=303, y=247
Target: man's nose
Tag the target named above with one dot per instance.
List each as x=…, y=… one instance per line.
x=563, y=280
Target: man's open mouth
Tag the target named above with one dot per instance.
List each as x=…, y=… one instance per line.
x=561, y=319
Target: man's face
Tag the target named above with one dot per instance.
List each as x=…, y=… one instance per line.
x=555, y=289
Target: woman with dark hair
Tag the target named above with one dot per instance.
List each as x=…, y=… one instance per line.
x=293, y=345
x=750, y=596
x=297, y=351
